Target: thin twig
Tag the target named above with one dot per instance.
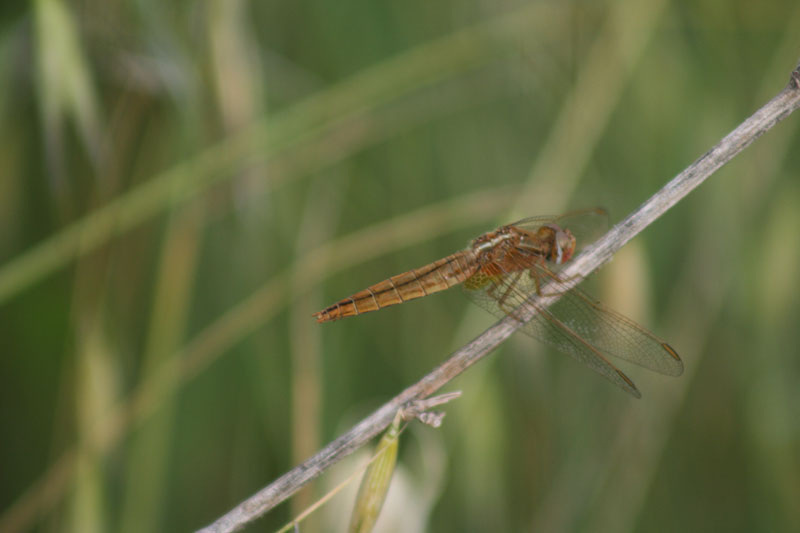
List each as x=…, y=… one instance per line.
x=593, y=257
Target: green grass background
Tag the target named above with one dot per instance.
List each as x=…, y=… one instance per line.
x=182, y=184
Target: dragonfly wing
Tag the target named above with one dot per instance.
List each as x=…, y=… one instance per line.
x=615, y=334
x=502, y=295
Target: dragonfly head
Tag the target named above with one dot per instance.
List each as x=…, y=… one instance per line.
x=563, y=246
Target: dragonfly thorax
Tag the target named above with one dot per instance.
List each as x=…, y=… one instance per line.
x=549, y=241
x=493, y=246
x=512, y=248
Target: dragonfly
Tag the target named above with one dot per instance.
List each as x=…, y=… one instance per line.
x=501, y=270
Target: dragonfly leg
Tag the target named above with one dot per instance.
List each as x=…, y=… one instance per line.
x=536, y=276
x=576, y=277
x=501, y=301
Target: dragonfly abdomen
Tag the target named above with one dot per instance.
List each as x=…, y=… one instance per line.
x=431, y=278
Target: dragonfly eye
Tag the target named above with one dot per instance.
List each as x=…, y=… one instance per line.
x=565, y=246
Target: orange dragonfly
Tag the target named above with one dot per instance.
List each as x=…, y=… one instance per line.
x=501, y=269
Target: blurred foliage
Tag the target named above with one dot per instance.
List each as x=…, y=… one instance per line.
x=183, y=183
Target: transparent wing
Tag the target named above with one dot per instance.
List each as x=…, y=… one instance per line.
x=576, y=324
